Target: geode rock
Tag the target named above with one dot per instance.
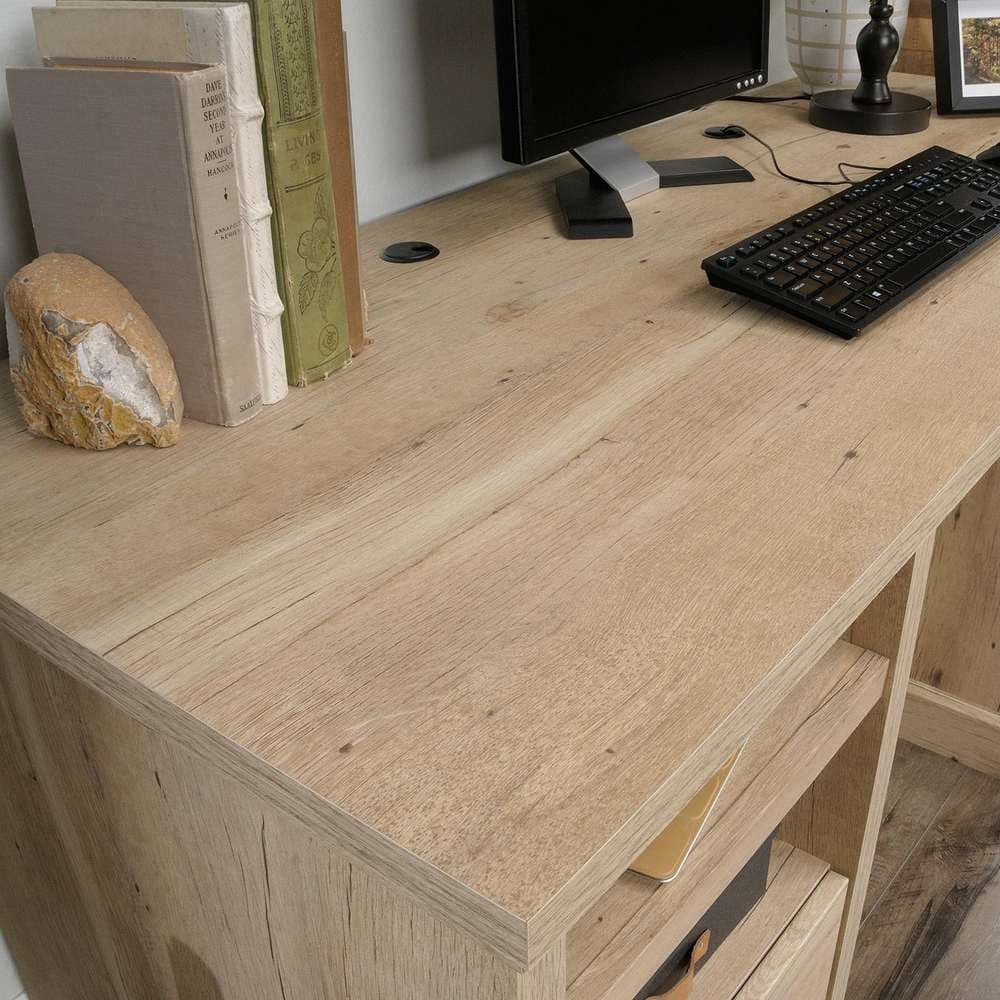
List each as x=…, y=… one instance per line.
x=89, y=367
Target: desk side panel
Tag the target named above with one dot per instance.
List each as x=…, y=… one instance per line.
x=958, y=651
x=131, y=868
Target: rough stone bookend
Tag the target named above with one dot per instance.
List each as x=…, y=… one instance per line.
x=89, y=367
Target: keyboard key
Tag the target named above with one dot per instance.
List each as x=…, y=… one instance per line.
x=747, y=250
x=915, y=269
x=853, y=312
x=832, y=297
x=779, y=279
x=957, y=219
x=890, y=288
x=804, y=289
x=868, y=302
x=751, y=271
x=727, y=260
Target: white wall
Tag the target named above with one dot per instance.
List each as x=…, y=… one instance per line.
x=17, y=243
x=423, y=91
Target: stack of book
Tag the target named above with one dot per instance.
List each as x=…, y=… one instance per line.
x=182, y=147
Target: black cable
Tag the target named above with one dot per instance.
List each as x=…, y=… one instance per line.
x=854, y=166
x=768, y=100
x=803, y=180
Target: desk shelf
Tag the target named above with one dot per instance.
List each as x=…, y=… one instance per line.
x=621, y=940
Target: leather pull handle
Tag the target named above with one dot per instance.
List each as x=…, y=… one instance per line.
x=682, y=991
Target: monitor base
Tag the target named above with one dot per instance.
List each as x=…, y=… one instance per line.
x=596, y=211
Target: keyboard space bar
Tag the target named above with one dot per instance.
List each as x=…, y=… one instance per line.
x=915, y=269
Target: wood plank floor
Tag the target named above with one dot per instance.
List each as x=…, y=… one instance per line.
x=931, y=928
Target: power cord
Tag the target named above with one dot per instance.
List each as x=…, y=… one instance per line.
x=854, y=166
x=738, y=131
x=768, y=100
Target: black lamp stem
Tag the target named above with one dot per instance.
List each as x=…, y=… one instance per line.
x=878, y=46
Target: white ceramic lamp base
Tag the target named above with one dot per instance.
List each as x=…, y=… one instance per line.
x=822, y=35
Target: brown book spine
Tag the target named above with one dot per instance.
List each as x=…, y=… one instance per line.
x=216, y=204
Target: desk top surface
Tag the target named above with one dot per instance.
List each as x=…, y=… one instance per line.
x=572, y=518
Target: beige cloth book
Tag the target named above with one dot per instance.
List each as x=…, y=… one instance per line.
x=133, y=168
x=196, y=34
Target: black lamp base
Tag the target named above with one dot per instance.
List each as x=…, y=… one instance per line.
x=837, y=111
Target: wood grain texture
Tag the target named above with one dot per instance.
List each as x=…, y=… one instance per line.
x=932, y=932
x=132, y=869
x=620, y=941
x=953, y=728
x=958, y=648
x=800, y=963
x=839, y=817
x=564, y=538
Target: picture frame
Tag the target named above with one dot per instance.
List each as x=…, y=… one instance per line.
x=967, y=56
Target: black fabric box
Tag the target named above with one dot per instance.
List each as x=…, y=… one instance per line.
x=725, y=914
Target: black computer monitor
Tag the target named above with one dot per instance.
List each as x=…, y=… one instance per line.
x=575, y=73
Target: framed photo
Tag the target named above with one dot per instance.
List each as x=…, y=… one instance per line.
x=967, y=56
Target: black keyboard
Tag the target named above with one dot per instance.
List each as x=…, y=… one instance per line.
x=848, y=261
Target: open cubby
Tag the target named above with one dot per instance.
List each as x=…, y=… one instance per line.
x=618, y=944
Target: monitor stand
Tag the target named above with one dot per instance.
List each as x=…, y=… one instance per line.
x=593, y=200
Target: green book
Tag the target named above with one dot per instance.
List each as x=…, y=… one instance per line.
x=300, y=187
x=306, y=244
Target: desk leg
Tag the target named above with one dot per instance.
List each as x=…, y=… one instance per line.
x=838, y=819
x=954, y=698
x=130, y=869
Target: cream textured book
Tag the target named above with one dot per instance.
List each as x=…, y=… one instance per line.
x=132, y=167
x=196, y=34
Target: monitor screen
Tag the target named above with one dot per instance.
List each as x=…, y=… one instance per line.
x=572, y=71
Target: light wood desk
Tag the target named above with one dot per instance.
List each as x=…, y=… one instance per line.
x=377, y=696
